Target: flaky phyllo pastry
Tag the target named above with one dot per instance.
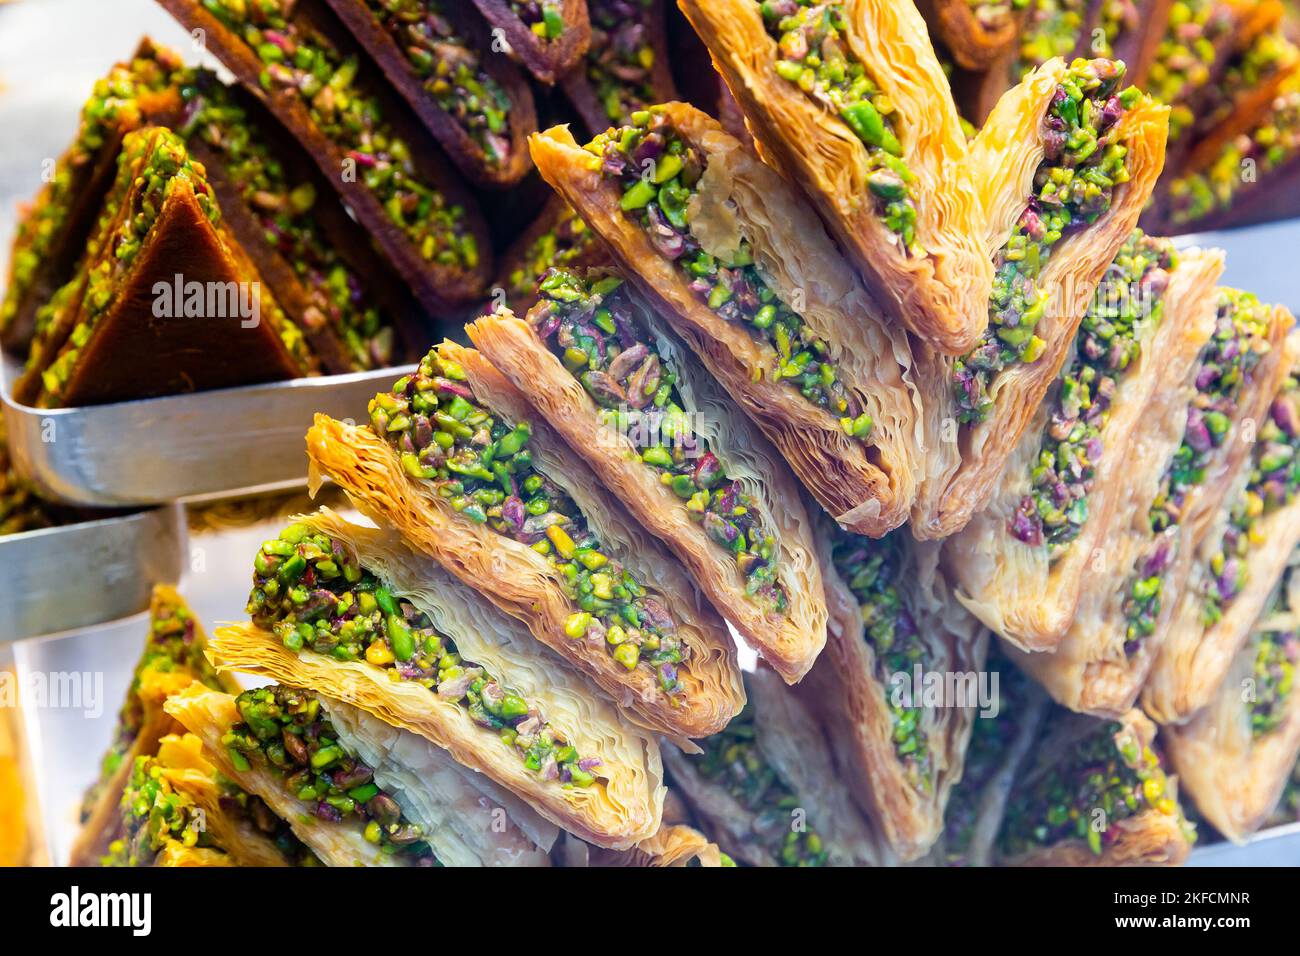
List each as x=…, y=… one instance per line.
x=458, y=461
x=661, y=434
x=741, y=269
x=1243, y=552
x=766, y=789
x=1021, y=562
x=847, y=99
x=177, y=809
x=1182, y=457
x=348, y=613
x=172, y=660
x=674, y=845
x=998, y=749
x=1235, y=755
x=1065, y=165
x=1096, y=793
x=895, y=627
x=357, y=791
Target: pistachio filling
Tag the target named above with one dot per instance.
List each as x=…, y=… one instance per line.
x=1185, y=55
x=545, y=19
x=1074, y=186
x=1274, y=141
x=1106, y=777
x=992, y=14
x=1051, y=29
x=568, y=241
x=733, y=760
x=659, y=173
x=483, y=467
x=1106, y=348
x=299, y=59
x=172, y=645
x=871, y=568
x=1258, y=64
x=1276, y=655
x=814, y=54
x=156, y=815
x=1226, y=364
x=338, y=296
x=452, y=70
x=588, y=323
x=113, y=103
x=285, y=733
x=166, y=166
x=621, y=57
x=311, y=591
x=1274, y=481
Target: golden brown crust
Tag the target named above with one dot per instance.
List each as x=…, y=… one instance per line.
x=939, y=294
x=1004, y=159
x=866, y=487
x=789, y=641
x=1090, y=670
x=103, y=823
x=1194, y=659
x=854, y=702
x=1021, y=591
x=1234, y=776
x=522, y=582
x=623, y=807
x=671, y=846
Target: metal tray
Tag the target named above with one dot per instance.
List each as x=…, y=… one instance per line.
x=234, y=441
x=56, y=579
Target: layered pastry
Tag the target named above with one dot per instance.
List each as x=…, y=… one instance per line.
x=164, y=301
x=173, y=659
x=896, y=635
x=177, y=809
x=1235, y=755
x=1192, y=440
x=439, y=56
x=1021, y=562
x=557, y=238
x=675, y=845
x=349, y=613
x=300, y=60
x=765, y=789
x=52, y=231
x=847, y=100
x=355, y=790
x=1096, y=793
x=1066, y=163
x=1244, y=551
x=457, y=460
x=549, y=37
x=660, y=433
x=739, y=268
x=625, y=68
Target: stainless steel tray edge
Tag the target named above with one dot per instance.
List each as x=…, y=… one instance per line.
x=228, y=442
x=78, y=575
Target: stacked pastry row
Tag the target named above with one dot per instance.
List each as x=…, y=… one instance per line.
x=1230, y=71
